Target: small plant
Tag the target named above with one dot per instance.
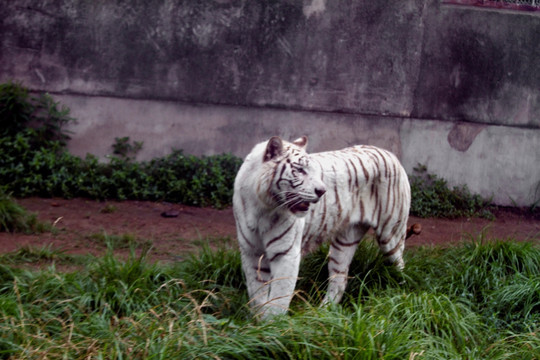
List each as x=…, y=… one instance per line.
x=431, y=197
x=116, y=242
x=126, y=150
x=108, y=209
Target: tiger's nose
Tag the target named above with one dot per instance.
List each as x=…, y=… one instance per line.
x=320, y=191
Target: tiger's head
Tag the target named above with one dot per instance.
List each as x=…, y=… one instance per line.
x=297, y=181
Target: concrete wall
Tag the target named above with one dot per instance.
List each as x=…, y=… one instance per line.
x=480, y=66
x=454, y=88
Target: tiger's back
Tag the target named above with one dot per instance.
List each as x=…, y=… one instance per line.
x=366, y=188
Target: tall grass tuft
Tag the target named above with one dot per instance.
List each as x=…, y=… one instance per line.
x=497, y=278
x=15, y=218
x=219, y=277
x=221, y=266
x=124, y=287
x=523, y=346
x=368, y=270
x=517, y=302
x=113, y=308
x=483, y=268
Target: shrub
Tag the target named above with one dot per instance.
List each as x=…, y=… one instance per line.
x=431, y=197
x=124, y=149
x=39, y=118
x=34, y=161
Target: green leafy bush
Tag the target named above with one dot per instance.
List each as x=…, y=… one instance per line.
x=432, y=197
x=124, y=149
x=38, y=118
x=34, y=161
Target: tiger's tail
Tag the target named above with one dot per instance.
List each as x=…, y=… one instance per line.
x=414, y=229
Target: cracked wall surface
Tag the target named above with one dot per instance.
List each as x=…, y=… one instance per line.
x=453, y=88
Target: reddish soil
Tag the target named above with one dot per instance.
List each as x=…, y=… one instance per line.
x=77, y=222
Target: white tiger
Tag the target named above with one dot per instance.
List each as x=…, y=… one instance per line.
x=281, y=213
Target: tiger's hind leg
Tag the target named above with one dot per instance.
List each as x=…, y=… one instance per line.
x=342, y=249
x=391, y=241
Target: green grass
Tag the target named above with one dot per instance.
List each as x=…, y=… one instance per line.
x=116, y=242
x=15, y=218
x=479, y=300
x=108, y=209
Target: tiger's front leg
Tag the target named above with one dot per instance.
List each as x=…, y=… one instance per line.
x=284, y=254
x=257, y=273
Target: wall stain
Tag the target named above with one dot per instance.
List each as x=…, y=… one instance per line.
x=463, y=134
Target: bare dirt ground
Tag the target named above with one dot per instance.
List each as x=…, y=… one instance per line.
x=77, y=222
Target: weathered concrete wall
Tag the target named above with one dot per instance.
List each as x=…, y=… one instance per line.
x=453, y=88
x=359, y=56
x=500, y=162
x=211, y=129
x=480, y=66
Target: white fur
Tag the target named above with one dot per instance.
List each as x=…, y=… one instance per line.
x=365, y=187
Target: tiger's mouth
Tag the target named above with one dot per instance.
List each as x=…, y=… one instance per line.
x=302, y=206
x=297, y=204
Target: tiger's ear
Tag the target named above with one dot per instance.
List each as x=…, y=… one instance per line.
x=301, y=142
x=274, y=148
